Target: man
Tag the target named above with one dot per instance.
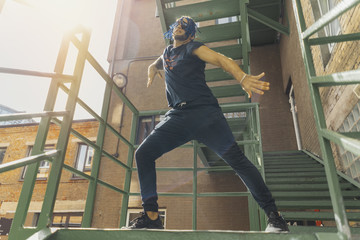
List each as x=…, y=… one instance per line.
x=196, y=114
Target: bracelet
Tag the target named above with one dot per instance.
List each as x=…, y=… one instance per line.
x=242, y=79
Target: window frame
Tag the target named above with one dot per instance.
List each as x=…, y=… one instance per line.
x=43, y=164
x=85, y=166
x=2, y=154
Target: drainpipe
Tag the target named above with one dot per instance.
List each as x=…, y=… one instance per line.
x=295, y=120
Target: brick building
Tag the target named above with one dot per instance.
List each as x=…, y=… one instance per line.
x=137, y=42
x=16, y=143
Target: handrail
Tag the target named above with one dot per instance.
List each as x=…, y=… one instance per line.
x=28, y=160
x=337, y=11
x=64, y=77
x=20, y=116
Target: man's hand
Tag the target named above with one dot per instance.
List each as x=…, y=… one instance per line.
x=253, y=84
x=152, y=72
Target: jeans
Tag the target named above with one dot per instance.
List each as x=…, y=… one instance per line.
x=208, y=125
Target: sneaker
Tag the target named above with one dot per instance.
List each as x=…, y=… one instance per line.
x=145, y=222
x=276, y=223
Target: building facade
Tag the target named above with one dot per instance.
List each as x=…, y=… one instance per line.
x=16, y=143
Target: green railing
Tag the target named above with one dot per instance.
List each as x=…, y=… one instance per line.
x=348, y=141
x=252, y=143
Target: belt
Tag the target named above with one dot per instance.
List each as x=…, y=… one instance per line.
x=181, y=105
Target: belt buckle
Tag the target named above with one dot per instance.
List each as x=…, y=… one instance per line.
x=181, y=105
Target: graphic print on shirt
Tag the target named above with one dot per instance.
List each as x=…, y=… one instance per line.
x=171, y=62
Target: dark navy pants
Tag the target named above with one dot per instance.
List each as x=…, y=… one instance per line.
x=208, y=125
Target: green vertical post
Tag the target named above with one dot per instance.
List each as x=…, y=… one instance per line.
x=125, y=200
x=260, y=153
x=330, y=168
x=57, y=165
x=31, y=172
x=245, y=37
x=195, y=172
x=90, y=200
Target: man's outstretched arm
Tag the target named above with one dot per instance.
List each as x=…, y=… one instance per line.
x=249, y=83
x=154, y=69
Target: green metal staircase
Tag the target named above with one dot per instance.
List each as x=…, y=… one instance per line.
x=299, y=185
x=291, y=182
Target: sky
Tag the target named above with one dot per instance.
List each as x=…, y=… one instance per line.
x=30, y=37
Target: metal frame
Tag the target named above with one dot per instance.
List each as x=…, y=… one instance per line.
x=350, y=77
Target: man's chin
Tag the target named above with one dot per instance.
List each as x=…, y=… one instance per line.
x=180, y=37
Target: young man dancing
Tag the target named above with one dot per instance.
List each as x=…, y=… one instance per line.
x=196, y=115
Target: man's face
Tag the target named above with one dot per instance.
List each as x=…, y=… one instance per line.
x=179, y=32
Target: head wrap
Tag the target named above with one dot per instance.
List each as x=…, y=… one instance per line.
x=189, y=27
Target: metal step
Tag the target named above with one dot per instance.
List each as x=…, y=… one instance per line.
x=228, y=91
x=203, y=11
x=296, y=174
x=217, y=74
x=231, y=51
x=314, y=204
x=293, y=162
x=293, y=165
x=218, y=33
x=351, y=194
x=296, y=180
x=317, y=215
x=280, y=170
x=309, y=187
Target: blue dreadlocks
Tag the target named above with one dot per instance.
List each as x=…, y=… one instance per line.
x=189, y=27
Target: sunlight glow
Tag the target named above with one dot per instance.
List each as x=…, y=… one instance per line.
x=65, y=14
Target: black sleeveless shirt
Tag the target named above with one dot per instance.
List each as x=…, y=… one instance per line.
x=185, y=76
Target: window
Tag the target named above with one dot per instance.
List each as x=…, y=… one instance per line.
x=349, y=161
x=62, y=220
x=84, y=158
x=134, y=213
x=146, y=125
x=44, y=167
x=2, y=154
x=320, y=8
x=226, y=20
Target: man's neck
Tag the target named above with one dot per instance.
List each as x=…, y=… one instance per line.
x=178, y=43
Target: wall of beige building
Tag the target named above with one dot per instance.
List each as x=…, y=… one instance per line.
x=138, y=44
x=18, y=139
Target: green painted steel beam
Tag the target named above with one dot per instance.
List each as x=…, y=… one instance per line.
x=106, y=77
x=65, y=129
x=327, y=18
x=96, y=234
x=194, y=186
x=20, y=116
x=128, y=172
x=28, y=160
x=58, y=76
x=349, y=144
x=334, y=39
x=336, y=79
x=228, y=91
x=268, y=22
x=111, y=157
x=17, y=231
x=220, y=32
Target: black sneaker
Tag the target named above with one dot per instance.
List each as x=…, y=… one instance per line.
x=145, y=222
x=276, y=223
